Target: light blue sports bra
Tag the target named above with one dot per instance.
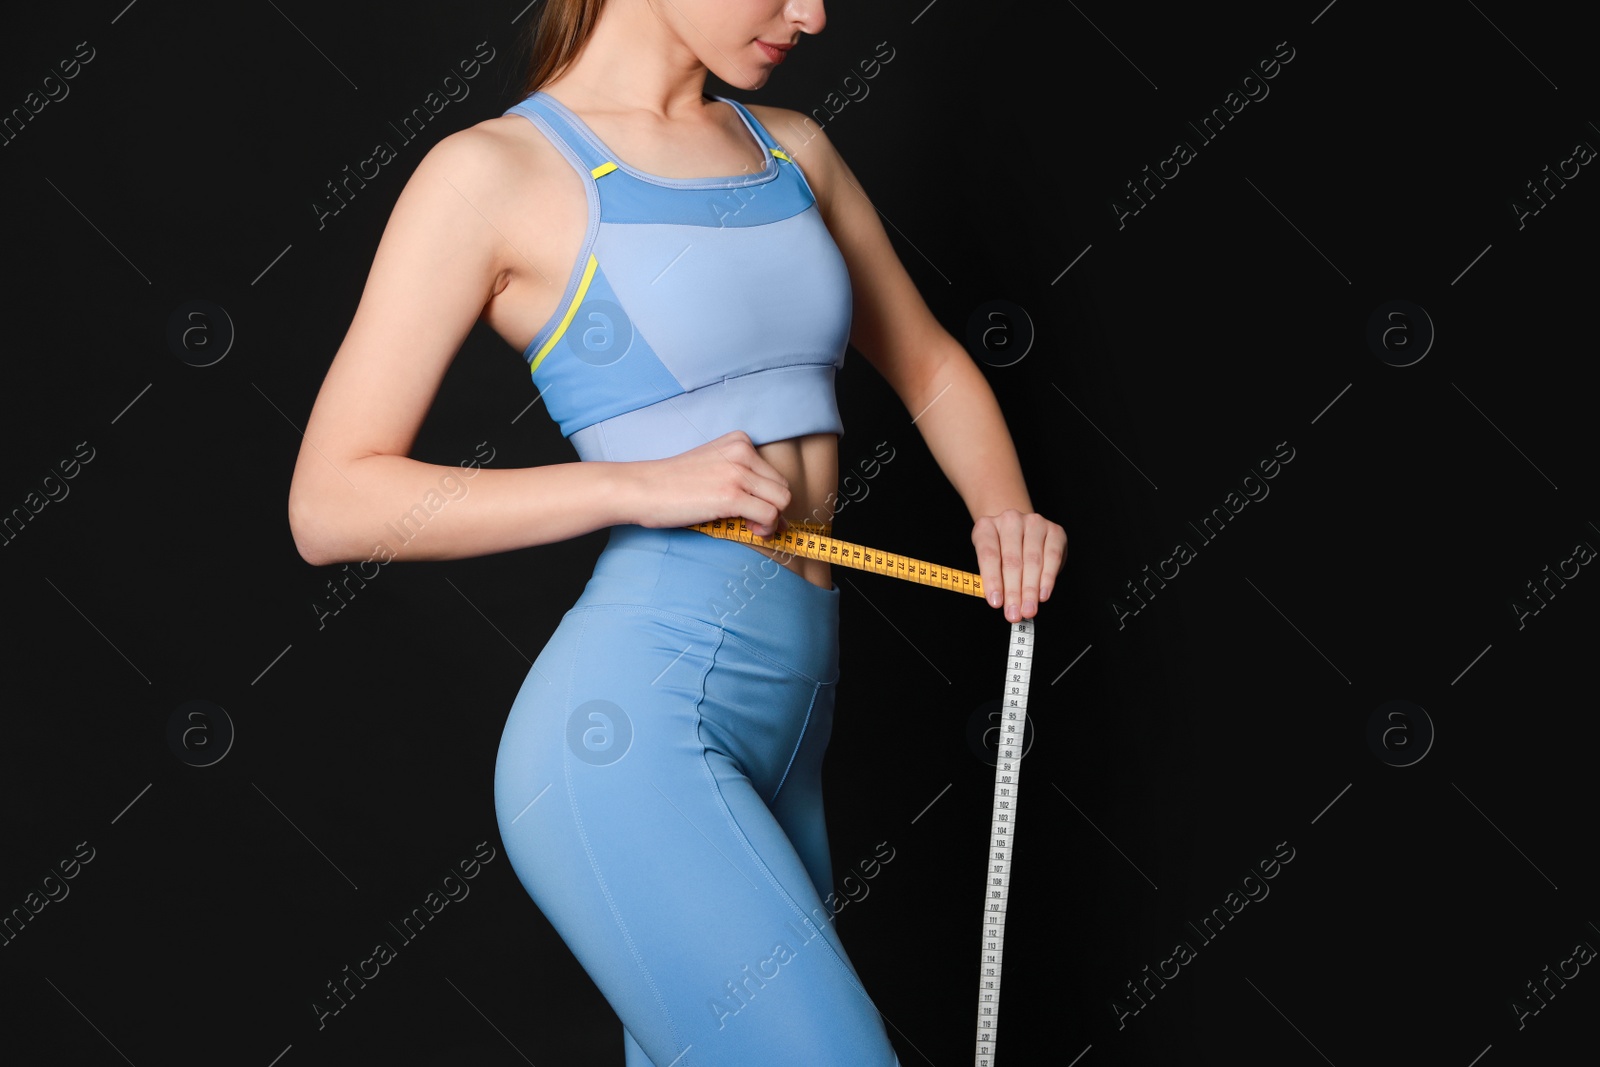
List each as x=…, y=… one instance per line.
x=695, y=306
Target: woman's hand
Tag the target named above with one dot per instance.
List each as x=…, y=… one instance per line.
x=725, y=478
x=1018, y=557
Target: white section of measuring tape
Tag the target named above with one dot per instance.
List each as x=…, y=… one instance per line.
x=1002, y=833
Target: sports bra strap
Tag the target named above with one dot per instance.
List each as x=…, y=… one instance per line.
x=760, y=130
x=580, y=151
x=589, y=158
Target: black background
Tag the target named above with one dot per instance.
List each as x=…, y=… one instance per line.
x=1228, y=716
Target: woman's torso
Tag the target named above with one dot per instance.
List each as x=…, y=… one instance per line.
x=542, y=214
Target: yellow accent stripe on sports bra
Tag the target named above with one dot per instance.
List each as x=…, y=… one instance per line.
x=566, y=320
x=605, y=168
x=779, y=153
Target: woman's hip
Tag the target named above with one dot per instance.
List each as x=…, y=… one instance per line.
x=773, y=611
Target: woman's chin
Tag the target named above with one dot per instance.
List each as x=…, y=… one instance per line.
x=747, y=79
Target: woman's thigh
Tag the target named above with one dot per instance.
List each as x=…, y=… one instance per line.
x=635, y=786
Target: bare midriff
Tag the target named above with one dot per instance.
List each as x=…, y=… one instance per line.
x=811, y=465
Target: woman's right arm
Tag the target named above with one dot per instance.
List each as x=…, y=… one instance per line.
x=354, y=486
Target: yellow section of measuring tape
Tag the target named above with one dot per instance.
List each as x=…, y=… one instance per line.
x=814, y=541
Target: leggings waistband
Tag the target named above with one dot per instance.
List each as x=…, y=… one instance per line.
x=721, y=583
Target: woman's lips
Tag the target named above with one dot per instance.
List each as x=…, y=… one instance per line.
x=774, y=52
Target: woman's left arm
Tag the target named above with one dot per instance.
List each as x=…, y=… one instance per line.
x=1019, y=551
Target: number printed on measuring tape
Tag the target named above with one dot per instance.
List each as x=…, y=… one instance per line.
x=1007, y=772
x=815, y=545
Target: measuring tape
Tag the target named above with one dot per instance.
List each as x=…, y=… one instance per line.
x=815, y=541
x=1007, y=773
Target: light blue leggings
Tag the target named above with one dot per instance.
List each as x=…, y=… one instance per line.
x=658, y=790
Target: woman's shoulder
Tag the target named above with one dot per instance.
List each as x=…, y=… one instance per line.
x=502, y=155
x=504, y=172
x=789, y=127
x=505, y=146
x=802, y=140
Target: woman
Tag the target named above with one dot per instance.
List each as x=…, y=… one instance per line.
x=683, y=294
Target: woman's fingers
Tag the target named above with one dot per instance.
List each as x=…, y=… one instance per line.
x=1054, y=555
x=762, y=490
x=1044, y=547
x=1018, y=559
x=1009, y=525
